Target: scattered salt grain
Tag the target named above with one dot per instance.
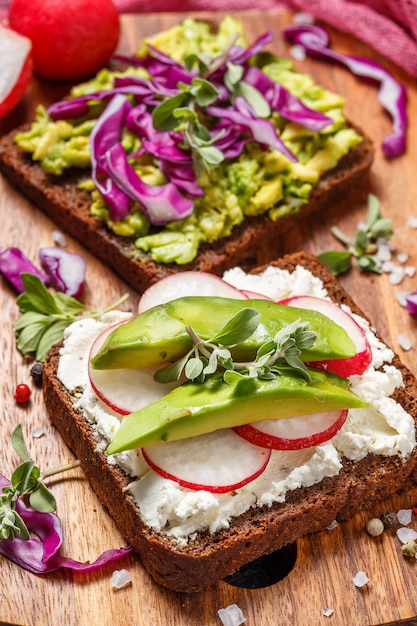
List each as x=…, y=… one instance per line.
x=396, y=275
x=412, y=221
x=387, y=266
x=231, y=615
x=409, y=270
x=298, y=52
x=302, y=17
x=404, y=342
x=406, y=534
x=402, y=257
x=383, y=253
x=38, y=432
x=405, y=516
x=59, y=238
x=402, y=298
x=120, y=578
x=360, y=580
x=328, y=612
x=333, y=525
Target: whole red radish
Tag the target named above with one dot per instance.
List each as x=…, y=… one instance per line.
x=16, y=68
x=70, y=40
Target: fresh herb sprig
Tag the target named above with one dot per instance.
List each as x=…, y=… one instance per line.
x=363, y=246
x=26, y=482
x=45, y=316
x=206, y=357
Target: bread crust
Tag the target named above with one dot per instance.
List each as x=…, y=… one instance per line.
x=258, y=531
x=254, y=242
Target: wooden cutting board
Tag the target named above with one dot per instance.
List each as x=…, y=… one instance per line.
x=325, y=563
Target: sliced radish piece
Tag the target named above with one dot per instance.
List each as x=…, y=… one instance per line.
x=125, y=390
x=294, y=433
x=187, y=284
x=16, y=68
x=255, y=295
x=357, y=364
x=219, y=462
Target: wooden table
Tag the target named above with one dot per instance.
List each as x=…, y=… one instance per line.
x=326, y=562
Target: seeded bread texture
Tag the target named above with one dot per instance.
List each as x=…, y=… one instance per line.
x=254, y=242
x=259, y=531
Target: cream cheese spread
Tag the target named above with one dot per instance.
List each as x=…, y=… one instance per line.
x=383, y=428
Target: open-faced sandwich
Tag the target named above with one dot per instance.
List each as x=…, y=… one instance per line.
x=196, y=154
x=233, y=415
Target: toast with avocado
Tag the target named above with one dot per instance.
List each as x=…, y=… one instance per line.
x=201, y=152
x=205, y=496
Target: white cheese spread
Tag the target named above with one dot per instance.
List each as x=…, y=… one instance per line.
x=383, y=428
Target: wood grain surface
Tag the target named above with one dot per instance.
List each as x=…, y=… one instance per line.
x=322, y=575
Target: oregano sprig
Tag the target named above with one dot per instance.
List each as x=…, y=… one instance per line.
x=45, y=315
x=26, y=482
x=363, y=246
x=206, y=357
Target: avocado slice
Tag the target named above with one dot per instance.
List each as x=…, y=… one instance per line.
x=196, y=408
x=159, y=334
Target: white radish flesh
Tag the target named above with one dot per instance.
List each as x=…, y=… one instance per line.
x=218, y=462
x=184, y=284
x=125, y=390
x=355, y=365
x=294, y=433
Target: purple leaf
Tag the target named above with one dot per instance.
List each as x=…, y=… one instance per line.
x=13, y=263
x=66, y=270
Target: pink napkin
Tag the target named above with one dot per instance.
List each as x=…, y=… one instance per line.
x=389, y=26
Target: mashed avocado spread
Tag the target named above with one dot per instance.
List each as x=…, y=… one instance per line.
x=258, y=179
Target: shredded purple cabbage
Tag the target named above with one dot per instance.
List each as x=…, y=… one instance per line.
x=160, y=203
x=66, y=270
x=13, y=262
x=392, y=94
x=40, y=553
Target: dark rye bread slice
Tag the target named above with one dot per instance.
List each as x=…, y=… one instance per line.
x=259, y=531
x=254, y=242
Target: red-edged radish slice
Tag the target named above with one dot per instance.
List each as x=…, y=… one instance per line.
x=357, y=364
x=183, y=284
x=294, y=433
x=16, y=68
x=125, y=390
x=218, y=462
x=255, y=295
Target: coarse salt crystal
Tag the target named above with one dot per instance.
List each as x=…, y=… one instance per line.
x=406, y=534
x=360, y=579
x=405, y=516
x=412, y=221
x=328, y=612
x=402, y=257
x=403, y=342
x=397, y=275
x=298, y=52
x=402, y=297
x=410, y=270
x=302, y=17
x=38, y=432
x=231, y=615
x=59, y=238
x=120, y=578
x=333, y=525
x=387, y=266
x=383, y=253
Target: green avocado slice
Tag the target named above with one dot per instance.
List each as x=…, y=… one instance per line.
x=159, y=334
x=194, y=408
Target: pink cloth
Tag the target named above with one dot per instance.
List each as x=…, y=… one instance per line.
x=389, y=26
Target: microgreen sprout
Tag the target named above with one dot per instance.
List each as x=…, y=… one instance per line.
x=26, y=482
x=45, y=315
x=207, y=357
x=363, y=246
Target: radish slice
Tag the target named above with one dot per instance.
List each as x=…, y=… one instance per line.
x=187, y=284
x=356, y=365
x=294, y=433
x=125, y=390
x=218, y=462
x=255, y=295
